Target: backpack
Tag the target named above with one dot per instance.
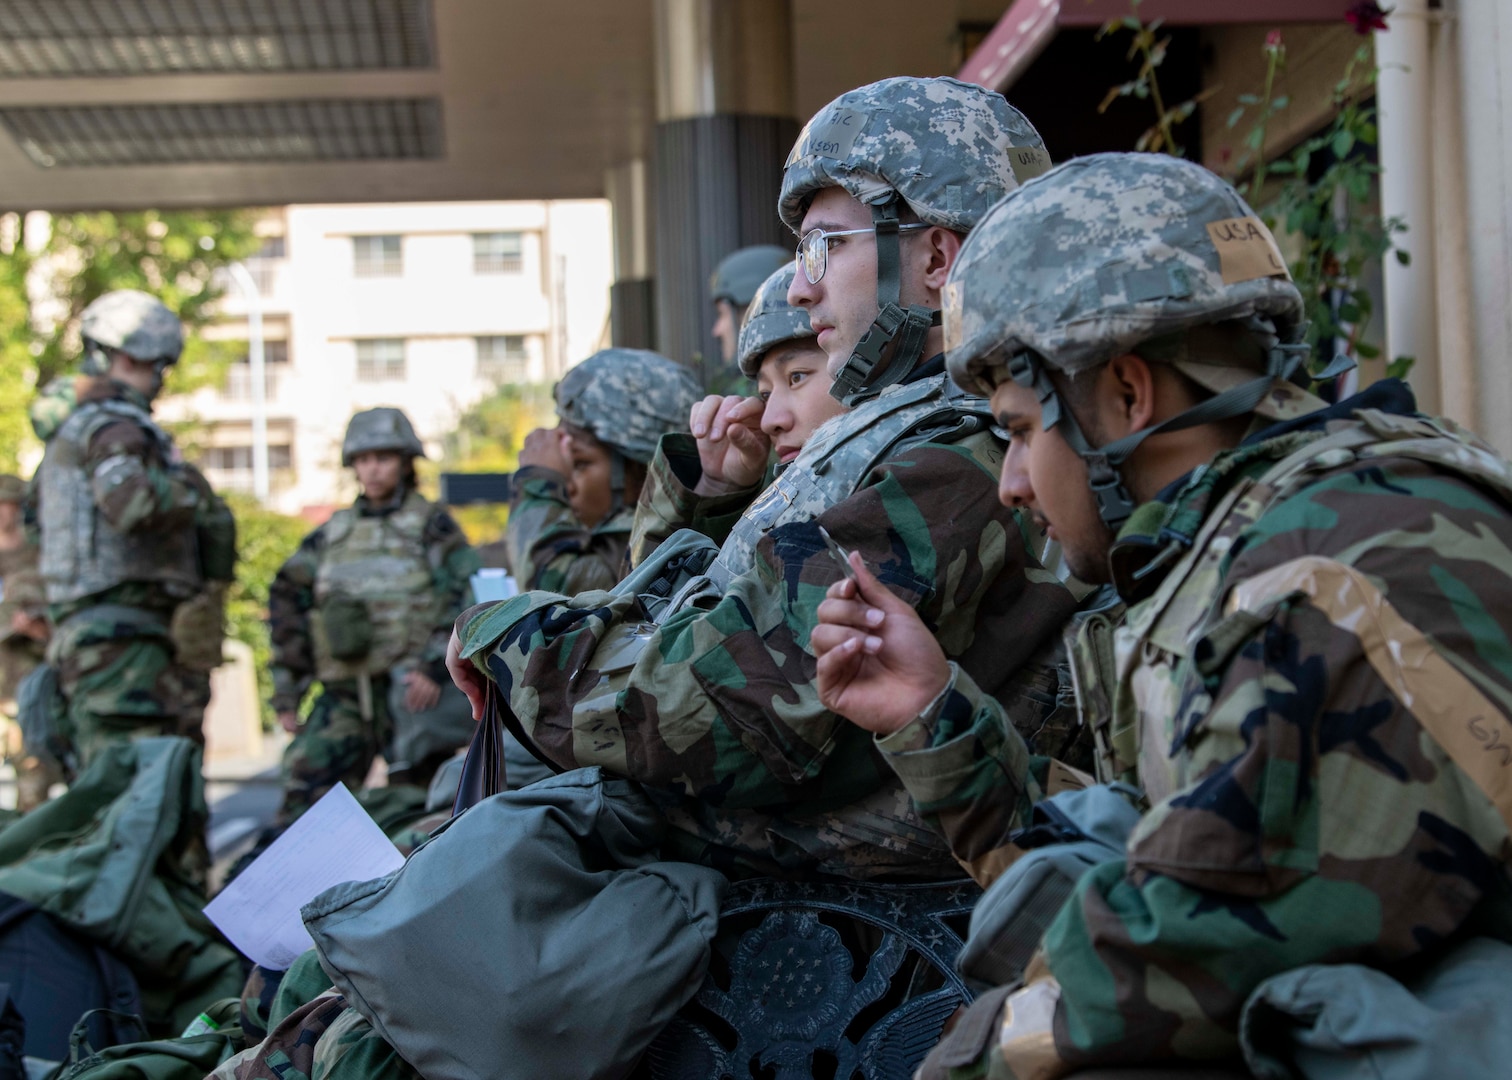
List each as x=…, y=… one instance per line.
x=1068, y=834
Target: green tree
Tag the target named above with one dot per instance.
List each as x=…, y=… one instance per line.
x=264, y=540
x=488, y=438
x=172, y=254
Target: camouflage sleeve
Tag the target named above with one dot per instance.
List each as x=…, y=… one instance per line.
x=133, y=489
x=453, y=563
x=291, y=597
x=720, y=703
x=1331, y=733
x=969, y=773
x=668, y=502
x=549, y=548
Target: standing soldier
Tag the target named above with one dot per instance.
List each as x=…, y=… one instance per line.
x=734, y=284
x=120, y=522
x=577, y=485
x=373, y=590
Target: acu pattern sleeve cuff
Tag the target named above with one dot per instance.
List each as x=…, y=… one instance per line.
x=940, y=743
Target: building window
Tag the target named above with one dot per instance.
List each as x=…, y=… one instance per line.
x=265, y=264
x=238, y=385
x=377, y=256
x=229, y=468
x=498, y=253
x=502, y=358
x=380, y=359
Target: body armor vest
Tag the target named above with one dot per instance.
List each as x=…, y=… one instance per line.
x=1133, y=680
x=81, y=553
x=380, y=563
x=843, y=452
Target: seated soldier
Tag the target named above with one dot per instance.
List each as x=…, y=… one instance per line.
x=714, y=707
x=706, y=480
x=1312, y=666
x=577, y=485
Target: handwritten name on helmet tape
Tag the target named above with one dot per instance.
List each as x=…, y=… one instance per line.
x=831, y=134
x=1028, y=162
x=1246, y=250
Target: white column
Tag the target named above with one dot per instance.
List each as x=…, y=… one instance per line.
x=1404, y=96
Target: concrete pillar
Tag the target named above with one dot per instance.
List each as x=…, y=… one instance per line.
x=1477, y=38
x=1404, y=95
x=632, y=297
x=724, y=95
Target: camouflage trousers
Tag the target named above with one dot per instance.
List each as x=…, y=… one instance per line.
x=323, y=1040
x=117, y=673
x=334, y=745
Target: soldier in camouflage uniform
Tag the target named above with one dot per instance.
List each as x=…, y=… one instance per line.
x=1311, y=683
x=577, y=484
x=731, y=289
x=123, y=539
x=714, y=707
x=373, y=589
x=705, y=480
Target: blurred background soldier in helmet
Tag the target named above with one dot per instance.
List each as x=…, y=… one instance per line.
x=734, y=284
x=372, y=591
x=577, y=486
x=128, y=532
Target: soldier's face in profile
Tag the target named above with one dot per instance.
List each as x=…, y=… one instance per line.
x=794, y=384
x=726, y=329
x=378, y=473
x=590, y=490
x=1043, y=476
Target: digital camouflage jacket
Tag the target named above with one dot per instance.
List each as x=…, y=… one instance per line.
x=548, y=548
x=719, y=714
x=291, y=598
x=1314, y=697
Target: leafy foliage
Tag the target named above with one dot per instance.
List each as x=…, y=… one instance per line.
x=44, y=290
x=1150, y=48
x=1322, y=210
x=264, y=540
x=488, y=438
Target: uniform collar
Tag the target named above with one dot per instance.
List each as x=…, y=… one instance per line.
x=384, y=509
x=1162, y=530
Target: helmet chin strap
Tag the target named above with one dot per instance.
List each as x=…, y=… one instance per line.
x=894, y=343
x=1114, y=502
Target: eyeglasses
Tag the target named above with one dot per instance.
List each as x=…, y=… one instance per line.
x=813, y=249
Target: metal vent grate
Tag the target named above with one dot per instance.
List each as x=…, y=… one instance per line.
x=258, y=131
x=43, y=38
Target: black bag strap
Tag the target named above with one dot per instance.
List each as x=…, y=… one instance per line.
x=483, y=771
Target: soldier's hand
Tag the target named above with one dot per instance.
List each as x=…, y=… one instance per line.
x=289, y=721
x=468, y=678
x=732, y=448
x=421, y=692
x=543, y=449
x=879, y=666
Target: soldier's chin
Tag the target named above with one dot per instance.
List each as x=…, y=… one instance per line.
x=835, y=362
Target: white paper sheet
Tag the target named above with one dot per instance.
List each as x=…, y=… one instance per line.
x=333, y=842
x=492, y=583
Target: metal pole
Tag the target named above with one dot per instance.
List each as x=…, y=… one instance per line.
x=255, y=365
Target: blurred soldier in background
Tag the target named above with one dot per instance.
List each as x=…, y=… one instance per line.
x=128, y=532
x=736, y=279
x=373, y=590
x=577, y=485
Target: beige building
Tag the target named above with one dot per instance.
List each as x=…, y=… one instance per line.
x=427, y=306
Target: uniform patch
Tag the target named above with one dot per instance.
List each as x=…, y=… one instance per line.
x=1246, y=250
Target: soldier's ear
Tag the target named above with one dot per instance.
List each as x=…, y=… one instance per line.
x=939, y=250
x=1127, y=396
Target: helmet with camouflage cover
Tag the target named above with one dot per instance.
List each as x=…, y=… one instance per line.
x=740, y=273
x=383, y=428
x=945, y=149
x=627, y=399
x=771, y=320
x=1117, y=253
x=137, y=324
